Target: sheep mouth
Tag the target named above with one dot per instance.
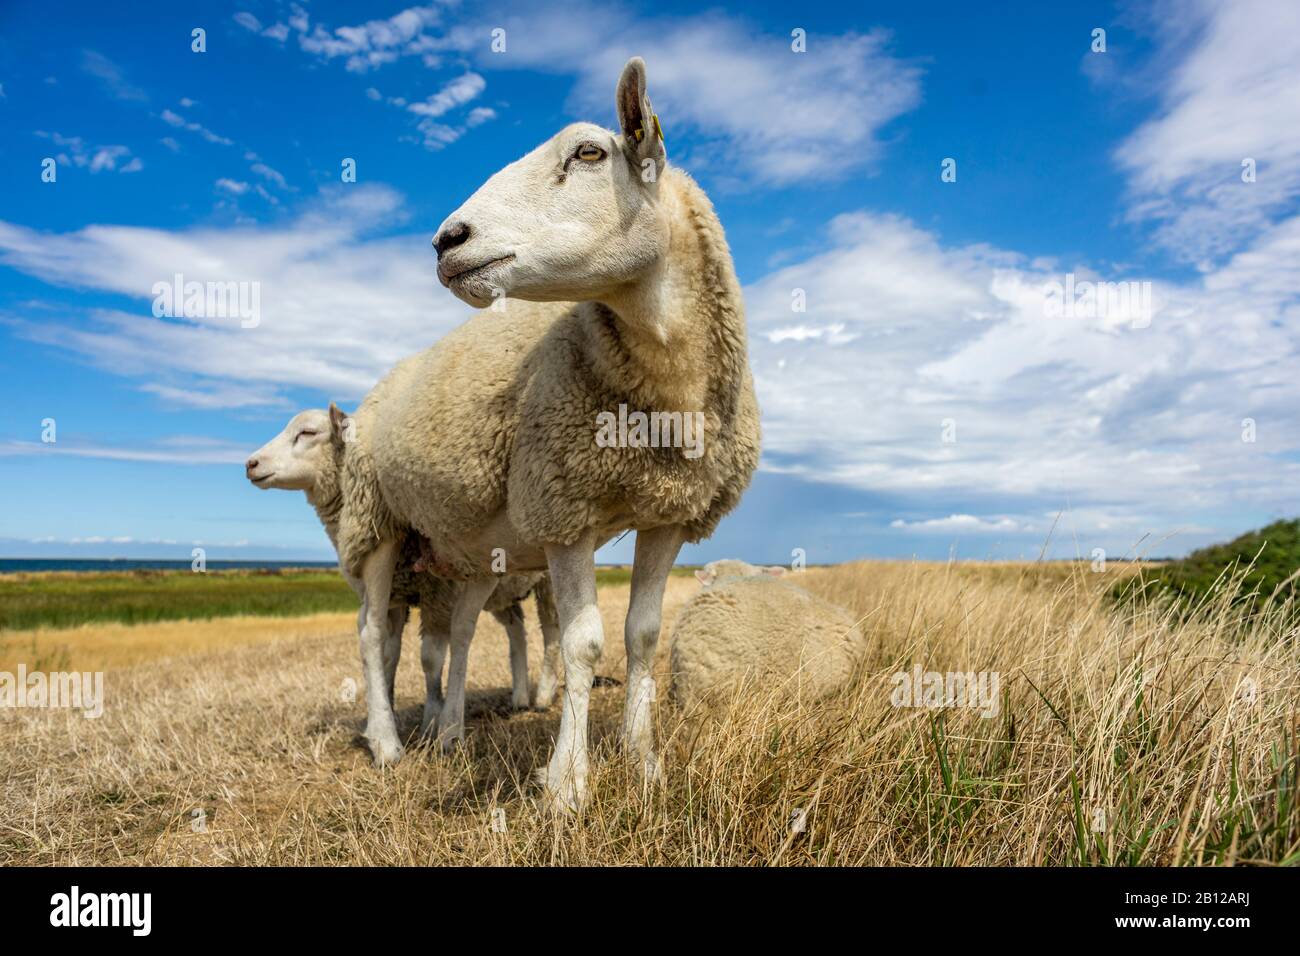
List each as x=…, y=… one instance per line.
x=266, y=477
x=450, y=275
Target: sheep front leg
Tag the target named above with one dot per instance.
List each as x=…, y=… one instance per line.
x=656, y=550
x=433, y=650
x=381, y=725
x=573, y=576
x=464, y=618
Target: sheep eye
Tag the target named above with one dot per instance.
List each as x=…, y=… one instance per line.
x=305, y=431
x=590, y=153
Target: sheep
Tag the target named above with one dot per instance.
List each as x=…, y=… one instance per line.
x=307, y=456
x=614, y=299
x=746, y=622
x=728, y=568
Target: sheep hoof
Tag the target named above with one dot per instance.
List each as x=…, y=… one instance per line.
x=652, y=770
x=386, y=752
x=519, y=703
x=561, y=793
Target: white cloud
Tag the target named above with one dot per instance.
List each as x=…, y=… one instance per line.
x=234, y=187
x=1080, y=412
x=763, y=111
x=969, y=524
x=1230, y=94
x=455, y=93
x=111, y=75
x=369, y=44
x=760, y=110
x=183, y=451
x=76, y=152
x=273, y=175
x=434, y=133
x=248, y=21
x=180, y=122
x=337, y=308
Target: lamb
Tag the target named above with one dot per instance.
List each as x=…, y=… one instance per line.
x=613, y=293
x=745, y=624
x=307, y=456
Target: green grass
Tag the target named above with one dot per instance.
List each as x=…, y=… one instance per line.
x=137, y=597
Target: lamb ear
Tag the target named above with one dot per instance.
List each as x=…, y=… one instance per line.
x=704, y=576
x=775, y=570
x=642, y=135
x=338, y=424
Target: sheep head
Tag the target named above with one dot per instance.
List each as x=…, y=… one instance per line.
x=574, y=220
x=728, y=568
x=296, y=458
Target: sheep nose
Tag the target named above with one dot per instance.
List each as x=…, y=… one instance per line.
x=251, y=465
x=449, y=237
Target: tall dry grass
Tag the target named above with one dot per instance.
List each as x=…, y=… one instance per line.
x=1124, y=737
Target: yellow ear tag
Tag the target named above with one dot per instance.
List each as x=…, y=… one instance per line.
x=659, y=130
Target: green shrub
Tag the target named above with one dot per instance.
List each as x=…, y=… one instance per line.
x=1258, y=565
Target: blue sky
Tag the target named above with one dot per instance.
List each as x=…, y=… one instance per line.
x=925, y=402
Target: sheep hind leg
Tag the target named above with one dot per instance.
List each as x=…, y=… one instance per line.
x=381, y=725
x=573, y=576
x=513, y=621
x=549, y=678
x=393, y=650
x=464, y=618
x=433, y=651
x=656, y=550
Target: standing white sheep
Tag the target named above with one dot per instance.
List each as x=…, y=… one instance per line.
x=498, y=440
x=748, y=622
x=307, y=456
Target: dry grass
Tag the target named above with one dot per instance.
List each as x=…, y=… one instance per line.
x=1106, y=713
x=109, y=646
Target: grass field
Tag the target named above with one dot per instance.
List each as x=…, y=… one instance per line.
x=1126, y=735
x=64, y=600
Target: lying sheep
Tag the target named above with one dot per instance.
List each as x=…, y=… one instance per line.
x=745, y=624
x=307, y=456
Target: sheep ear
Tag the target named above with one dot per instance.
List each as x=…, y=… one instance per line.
x=338, y=424
x=643, y=137
x=705, y=577
x=775, y=570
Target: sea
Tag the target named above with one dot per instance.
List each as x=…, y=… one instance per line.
x=12, y=565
